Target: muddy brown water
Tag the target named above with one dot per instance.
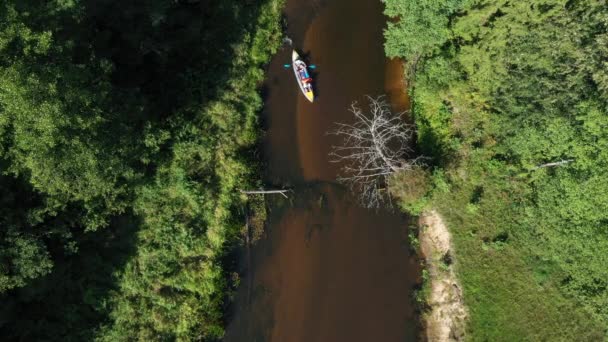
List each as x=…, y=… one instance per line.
x=326, y=269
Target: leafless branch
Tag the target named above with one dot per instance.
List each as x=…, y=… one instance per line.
x=375, y=146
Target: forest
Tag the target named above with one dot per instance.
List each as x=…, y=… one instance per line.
x=510, y=100
x=125, y=132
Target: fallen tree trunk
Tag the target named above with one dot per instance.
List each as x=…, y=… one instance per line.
x=559, y=163
x=264, y=192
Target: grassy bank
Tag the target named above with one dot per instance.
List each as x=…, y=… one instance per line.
x=129, y=128
x=510, y=104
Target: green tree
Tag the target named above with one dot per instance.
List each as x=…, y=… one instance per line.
x=118, y=115
x=506, y=92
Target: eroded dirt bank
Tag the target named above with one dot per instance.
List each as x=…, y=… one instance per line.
x=446, y=319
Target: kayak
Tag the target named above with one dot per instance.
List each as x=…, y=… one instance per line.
x=302, y=76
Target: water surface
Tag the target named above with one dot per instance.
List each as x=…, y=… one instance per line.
x=327, y=269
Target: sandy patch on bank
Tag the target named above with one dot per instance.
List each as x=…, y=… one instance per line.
x=446, y=319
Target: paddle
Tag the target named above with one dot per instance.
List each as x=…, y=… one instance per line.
x=312, y=66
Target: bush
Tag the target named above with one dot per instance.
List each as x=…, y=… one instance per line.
x=411, y=188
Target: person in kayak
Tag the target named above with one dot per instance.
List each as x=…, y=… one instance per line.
x=302, y=75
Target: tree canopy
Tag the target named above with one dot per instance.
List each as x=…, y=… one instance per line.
x=122, y=139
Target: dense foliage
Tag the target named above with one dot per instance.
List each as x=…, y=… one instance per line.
x=124, y=132
x=502, y=90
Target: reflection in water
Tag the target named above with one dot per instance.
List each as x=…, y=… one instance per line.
x=395, y=87
x=327, y=269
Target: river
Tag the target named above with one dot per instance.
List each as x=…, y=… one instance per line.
x=326, y=269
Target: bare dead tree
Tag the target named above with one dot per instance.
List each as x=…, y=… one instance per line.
x=374, y=147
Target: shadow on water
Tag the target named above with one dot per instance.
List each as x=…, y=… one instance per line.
x=299, y=15
x=307, y=285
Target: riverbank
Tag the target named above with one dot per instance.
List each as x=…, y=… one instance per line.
x=498, y=109
x=446, y=317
